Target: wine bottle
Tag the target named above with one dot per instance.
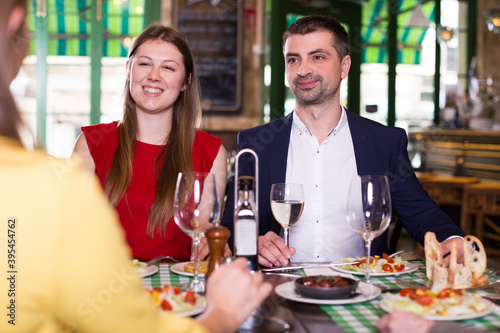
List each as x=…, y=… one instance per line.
x=246, y=223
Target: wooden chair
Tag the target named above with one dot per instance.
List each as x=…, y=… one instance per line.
x=482, y=201
x=424, y=176
x=446, y=190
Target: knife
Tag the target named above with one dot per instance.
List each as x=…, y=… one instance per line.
x=289, y=268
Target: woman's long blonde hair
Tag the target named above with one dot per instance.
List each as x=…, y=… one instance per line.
x=176, y=156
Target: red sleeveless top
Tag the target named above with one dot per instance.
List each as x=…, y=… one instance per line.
x=133, y=209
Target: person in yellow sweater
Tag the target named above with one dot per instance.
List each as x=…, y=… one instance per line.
x=65, y=264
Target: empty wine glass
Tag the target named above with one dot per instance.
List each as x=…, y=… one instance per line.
x=287, y=203
x=196, y=206
x=369, y=210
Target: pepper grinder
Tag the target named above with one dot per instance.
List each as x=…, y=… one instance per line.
x=217, y=236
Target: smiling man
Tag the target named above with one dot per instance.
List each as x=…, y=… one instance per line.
x=322, y=145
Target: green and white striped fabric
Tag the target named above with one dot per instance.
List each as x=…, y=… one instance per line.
x=375, y=24
x=374, y=29
x=69, y=26
x=165, y=276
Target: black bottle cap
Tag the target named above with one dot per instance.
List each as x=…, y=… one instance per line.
x=245, y=183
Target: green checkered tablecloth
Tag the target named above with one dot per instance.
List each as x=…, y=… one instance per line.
x=163, y=277
x=359, y=317
x=362, y=317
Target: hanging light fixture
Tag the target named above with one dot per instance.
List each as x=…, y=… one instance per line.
x=492, y=19
x=445, y=34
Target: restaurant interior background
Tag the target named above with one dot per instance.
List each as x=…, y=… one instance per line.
x=415, y=64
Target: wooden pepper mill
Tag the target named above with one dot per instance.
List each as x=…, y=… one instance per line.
x=217, y=237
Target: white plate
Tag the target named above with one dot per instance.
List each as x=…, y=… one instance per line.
x=366, y=293
x=150, y=270
x=197, y=310
x=190, y=313
x=179, y=269
x=486, y=312
x=409, y=268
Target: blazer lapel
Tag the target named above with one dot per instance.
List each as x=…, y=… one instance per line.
x=278, y=149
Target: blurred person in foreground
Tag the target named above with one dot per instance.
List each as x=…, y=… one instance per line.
x=322, y=145
x=137, y=159
x=67, y=256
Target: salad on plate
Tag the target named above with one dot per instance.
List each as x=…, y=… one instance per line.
x=378, y=264
x=446, y=303
x=139, y=267
x=172, y=299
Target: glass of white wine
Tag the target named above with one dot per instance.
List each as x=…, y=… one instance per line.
x=369, y=210
x=287, y=203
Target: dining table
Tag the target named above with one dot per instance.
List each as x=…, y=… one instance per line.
x=291, y=314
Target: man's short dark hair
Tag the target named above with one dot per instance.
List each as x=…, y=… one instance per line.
x=313, y=23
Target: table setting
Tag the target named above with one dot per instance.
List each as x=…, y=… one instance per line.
x=358, y=313
x=344, y=296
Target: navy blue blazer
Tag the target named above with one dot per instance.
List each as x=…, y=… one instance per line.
x=379, y=150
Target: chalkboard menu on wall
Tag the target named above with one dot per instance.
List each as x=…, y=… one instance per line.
x=214, y=31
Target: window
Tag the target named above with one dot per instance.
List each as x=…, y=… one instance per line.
x=416, y=54
x=81, y=84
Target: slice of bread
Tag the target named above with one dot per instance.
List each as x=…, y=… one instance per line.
x=202, y=267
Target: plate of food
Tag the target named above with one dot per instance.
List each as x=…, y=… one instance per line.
x=445, y=305
x=142, y=269
x=173, y=300
x=363, y=293
x=187, y=268
x=379, y=266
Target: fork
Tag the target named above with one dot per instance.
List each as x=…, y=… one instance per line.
x=160, y=258
x=395, y=254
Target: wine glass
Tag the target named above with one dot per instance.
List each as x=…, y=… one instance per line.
x=369, y=210
x=196, y=206
x=287, y=203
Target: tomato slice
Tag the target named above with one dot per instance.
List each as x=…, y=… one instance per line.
x=385, y=256
x=406, y=292
x=424, y=300
x=444, y=293
x=399, y=268
x=177, y=291
x=190, y=297
x=165, y=305
x=387, y=268
x=420, y=291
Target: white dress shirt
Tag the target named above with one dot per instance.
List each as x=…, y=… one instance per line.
x=325, y=170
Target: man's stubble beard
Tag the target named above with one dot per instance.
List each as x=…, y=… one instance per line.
x=314, y=96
